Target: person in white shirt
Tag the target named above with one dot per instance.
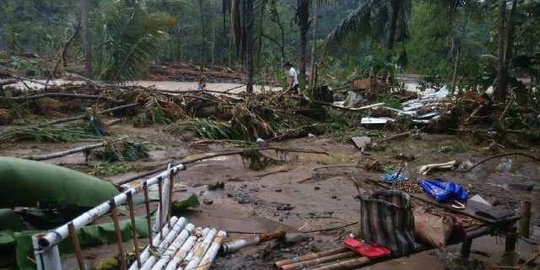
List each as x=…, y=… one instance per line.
x=292, y=78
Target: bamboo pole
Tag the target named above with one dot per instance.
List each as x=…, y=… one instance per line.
x=345, y=264
x=197, y=245
x=310, y=256
x=175, y=230
x=154, y=242
x=168, y=254
x=199, y=253
x=184, y=250
x=212, y=252
x=317, y=261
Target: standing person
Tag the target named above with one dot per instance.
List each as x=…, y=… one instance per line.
x=292, y=78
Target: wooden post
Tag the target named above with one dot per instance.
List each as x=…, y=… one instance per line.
x=524, y=221
x=466, y=249
x=148, y=217
x=118, y=234
x=160, y=210
x=134, y=228
x=510, y=256
x=76, y=246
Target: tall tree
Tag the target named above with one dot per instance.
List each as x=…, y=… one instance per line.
x=314, y=45
x=250, y=42
x=302, y=19
x=505, y=44
x=203, y=36
x=86, y=40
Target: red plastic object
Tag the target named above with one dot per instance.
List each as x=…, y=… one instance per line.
x=369, y=250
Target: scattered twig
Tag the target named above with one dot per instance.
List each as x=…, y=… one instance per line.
x=270, y=173
x=397, y=136
x=500, y=155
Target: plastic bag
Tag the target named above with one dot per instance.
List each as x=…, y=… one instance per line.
x=444, y=191
x=432, y=229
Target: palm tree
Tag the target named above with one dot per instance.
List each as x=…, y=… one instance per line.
x=369, y=20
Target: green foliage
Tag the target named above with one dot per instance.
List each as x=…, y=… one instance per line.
x=178, y=208
x=127, y=151
x=45, y=134
x=129, y=39
x=108, y=169
x=209, y=129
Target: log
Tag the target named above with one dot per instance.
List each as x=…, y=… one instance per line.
x=69, y=151
x=80, y=117
x=58, y=94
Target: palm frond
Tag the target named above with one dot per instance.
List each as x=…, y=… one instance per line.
x=358, y=22
x=130, y=40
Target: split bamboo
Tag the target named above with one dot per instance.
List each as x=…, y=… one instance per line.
x=310, y=256
x=317, y=261
x=155, y=242
x=196, y=246
x=201, y=250
x=346, y=264
x=175, y=245
x=183, y=251
x=212, y=252
x=167, y=240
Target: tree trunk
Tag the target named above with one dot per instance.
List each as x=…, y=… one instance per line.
x=499, y=93
x=458, y=48
x=303, y=24
x=86, y=40
x=395, y=5
x=236, y=34
x=203, y=37
x=250, y=40
x=314, y=40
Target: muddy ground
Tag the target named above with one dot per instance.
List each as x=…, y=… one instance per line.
x=307, y=192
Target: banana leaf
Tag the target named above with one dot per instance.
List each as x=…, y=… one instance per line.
x=30, y=183
x=9, y=220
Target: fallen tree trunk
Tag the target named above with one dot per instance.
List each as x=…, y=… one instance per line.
x=80, y=117
x=58, y=94
x=68, y=152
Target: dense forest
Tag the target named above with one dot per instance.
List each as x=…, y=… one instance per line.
x=462, y=43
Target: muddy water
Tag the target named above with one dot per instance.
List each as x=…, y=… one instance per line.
x=161, y=85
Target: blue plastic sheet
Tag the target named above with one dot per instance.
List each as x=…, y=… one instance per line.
x=393, y=177
x=444, y=191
